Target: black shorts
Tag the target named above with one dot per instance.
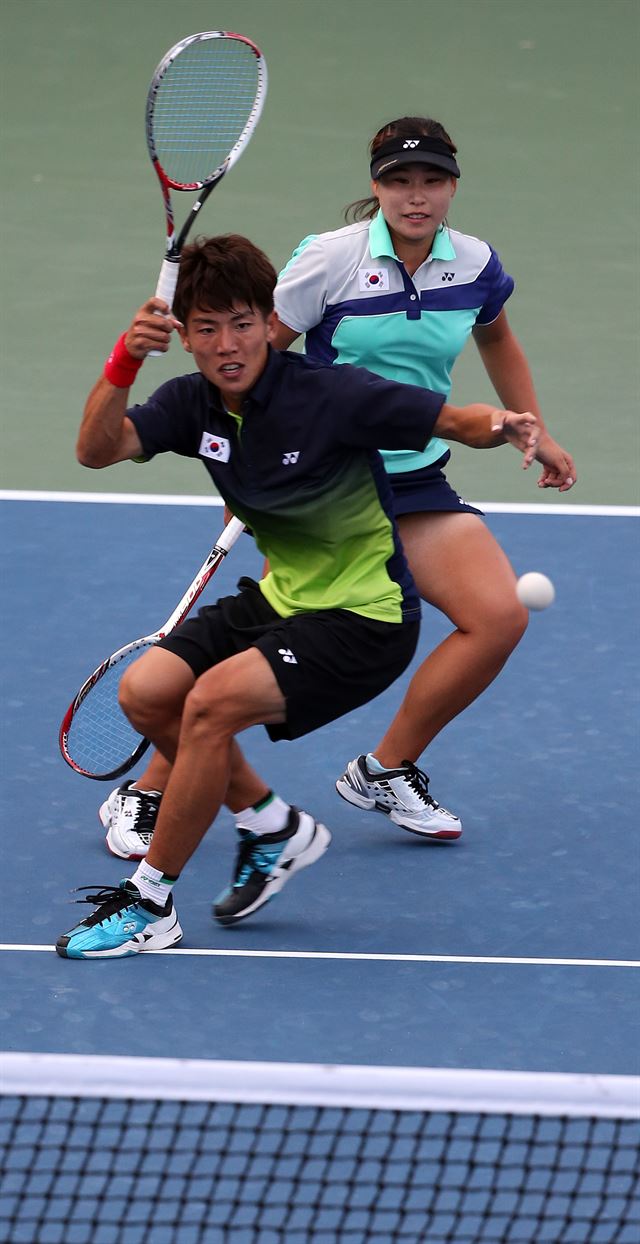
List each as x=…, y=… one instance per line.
x=326, y=663
x=427, y=491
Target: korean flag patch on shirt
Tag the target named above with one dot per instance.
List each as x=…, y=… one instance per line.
x=373, y=279
x=217, y=447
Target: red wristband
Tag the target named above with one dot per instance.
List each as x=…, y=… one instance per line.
x=121, y=368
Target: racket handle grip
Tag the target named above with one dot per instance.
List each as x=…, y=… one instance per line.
x=227, y=539
x=168, y=280
x=165, y=289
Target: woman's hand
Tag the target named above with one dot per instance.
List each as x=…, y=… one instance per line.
x=558, y=466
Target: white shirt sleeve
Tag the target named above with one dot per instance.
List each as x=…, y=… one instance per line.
x=301, y=293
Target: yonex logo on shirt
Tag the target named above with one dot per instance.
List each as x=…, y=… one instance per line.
x=448, y=276
x=287, y=655
x=292, y=457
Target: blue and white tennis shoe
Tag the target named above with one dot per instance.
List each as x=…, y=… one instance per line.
x=123, y=923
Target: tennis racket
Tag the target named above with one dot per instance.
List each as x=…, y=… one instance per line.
x=96, y=738
x=203, y=105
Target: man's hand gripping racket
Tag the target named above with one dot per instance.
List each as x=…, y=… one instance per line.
x=96, y=738
x=204, y=103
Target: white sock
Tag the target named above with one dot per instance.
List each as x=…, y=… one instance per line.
x=152, y=883
x=266, y=817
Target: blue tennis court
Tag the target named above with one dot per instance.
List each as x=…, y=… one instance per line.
x=515, y=948
x=416, y=1043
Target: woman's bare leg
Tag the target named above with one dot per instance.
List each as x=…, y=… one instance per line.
x=460, y=569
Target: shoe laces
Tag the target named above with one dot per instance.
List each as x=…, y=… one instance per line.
x=254, y=857
x=419, y=783
x=145, y=813
x=109, y=900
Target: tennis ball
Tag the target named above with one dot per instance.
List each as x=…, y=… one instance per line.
x=535, y=591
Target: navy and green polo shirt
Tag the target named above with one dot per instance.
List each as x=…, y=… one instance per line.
x=299, y=465
x=352, y=296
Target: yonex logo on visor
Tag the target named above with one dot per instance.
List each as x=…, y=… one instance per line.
x=423, y=150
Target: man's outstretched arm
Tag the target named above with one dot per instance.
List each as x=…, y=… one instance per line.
x=485, y=427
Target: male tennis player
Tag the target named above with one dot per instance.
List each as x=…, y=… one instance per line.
x=291, y=446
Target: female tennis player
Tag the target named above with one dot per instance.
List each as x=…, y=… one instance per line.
x=398, y=291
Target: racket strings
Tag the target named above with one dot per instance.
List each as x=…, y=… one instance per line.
x=202, y=108
x=100, y=738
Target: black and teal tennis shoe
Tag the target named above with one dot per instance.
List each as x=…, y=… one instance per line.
x=265, y=863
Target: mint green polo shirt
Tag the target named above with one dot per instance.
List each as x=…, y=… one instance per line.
x=352, y=297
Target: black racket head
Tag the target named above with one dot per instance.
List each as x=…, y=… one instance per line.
x=204, y=102
x=96, y=739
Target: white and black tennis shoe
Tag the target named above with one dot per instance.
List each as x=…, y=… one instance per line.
x=129, y=817
x=400, y=794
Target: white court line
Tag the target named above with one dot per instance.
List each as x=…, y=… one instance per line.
x=110, y=498
x=376, y=958
x=590, y=511
x=133, y=498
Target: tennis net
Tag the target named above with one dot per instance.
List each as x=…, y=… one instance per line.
x=98, y=1150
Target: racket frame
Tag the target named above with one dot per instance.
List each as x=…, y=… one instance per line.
x=224, y=543
x=169, y=272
